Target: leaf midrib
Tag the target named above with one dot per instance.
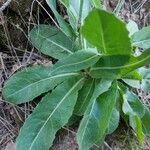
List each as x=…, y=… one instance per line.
x=64, y=48
x=141, y=41
x=120, y=67
x=86, y=96
x=77, y=63
x=65, y=74
x=103, y=37
x=61, y=101
x=88, y=116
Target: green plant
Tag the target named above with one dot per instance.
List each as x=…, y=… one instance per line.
x=96, y=68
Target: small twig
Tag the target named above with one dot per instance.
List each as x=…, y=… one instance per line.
x=17, y=113
x=119, y=6
x=3, y=66
x=6, y=31
x=5, y=5
x=106, y=144
x=2, y=121
x=140, y=6
x=48, y=14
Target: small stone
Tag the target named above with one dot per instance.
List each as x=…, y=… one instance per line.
x=135, y=17
x=10, y=146
x=143, y=10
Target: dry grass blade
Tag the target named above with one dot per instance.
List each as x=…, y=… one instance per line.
x=5, y=5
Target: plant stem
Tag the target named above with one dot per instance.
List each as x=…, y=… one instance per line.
x=80, y=12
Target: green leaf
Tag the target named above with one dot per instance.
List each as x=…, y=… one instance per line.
x=90, y=91
x=65, y=3
x=133, y=79
x=24, y=86
x=132, y=27
x=103, y=30
x=96, y=119
x=135, y=110
x=96, y=3
x=86, y=94
x=133, y=83
x=72, y=14
x=137, y=126
x=144, y=83
x=142, y=38
x=145, y=122
x=101, y=86
x=114, y=121
x=77, y=11
x=132, y=104
x=75, y=62
x=38, y=80
x=64, y=26
x=133, y=75
x=72, y=20
x=116, y=66
x=49, y=116
x=80, y=9
x=122, y=90
x=51, y=41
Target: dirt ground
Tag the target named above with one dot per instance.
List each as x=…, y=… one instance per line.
x=16, y=52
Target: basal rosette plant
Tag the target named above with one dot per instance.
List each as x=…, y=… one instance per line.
x=92, y=78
